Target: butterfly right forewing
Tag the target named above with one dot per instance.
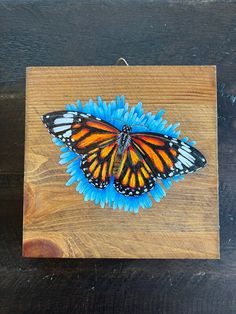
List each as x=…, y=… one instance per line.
x=167, y=156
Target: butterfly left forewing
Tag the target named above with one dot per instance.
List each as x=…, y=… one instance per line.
x=79, y=131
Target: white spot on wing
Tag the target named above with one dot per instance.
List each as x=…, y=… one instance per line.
x=63, y=121
x=184, y=144
x=185, y=161
x=68, y=115
x=84, y=115
x=186, y=154
x=61, y=128
x=178, y=165
x=187, y=149
x=67, y=133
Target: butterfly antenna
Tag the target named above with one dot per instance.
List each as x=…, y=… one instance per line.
x=143, y=125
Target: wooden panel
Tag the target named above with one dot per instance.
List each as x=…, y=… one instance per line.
x=58, y=223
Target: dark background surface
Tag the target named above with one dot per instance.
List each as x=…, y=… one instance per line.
x=97, y=33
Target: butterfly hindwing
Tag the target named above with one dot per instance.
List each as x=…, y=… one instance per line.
x=79, y=131
x=167, y=156
x=98, y=164
x=134, y=177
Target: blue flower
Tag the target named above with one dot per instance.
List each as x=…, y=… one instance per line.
x=118, y=113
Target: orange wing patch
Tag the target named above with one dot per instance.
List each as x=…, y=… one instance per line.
x=173, y=152
x=94, y=138
x=134, y=157
x=100, y=126
x=166, y=158
x=126, y=177
x=146, y=166
x=106, y=150
x=76, y=126
x=92, y=157
x=152, y=140
x=97, y=172
x=140, y=179
x=122, y=163
x=112, y=159
x=80, y=134
x=93, y=166
x=104, y=171
x=145, y=173
x=132, y=180
x=151, y=155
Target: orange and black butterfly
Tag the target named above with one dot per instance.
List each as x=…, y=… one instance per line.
x=143, y=157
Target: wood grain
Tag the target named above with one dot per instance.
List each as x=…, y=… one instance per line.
x=183, y=225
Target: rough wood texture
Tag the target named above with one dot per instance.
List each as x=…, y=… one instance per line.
x=58, y=223
x=71, y=32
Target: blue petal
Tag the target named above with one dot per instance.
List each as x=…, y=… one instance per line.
x=167, y=183
x=159, y=114
x=57, y=141
x=64, y=149
x=192, y=143
x=71, y=181
x=185, y=139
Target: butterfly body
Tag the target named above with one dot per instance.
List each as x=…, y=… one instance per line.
x=124, y=139
x=143, y=157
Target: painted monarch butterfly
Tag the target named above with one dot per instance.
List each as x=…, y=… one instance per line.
x=143, y=157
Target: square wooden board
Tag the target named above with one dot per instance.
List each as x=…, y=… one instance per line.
x=58, y=223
